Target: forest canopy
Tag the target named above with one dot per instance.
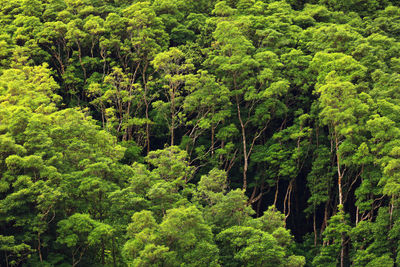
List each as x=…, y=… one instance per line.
x=199, y=133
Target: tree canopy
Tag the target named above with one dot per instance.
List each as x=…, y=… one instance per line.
x=199, y=133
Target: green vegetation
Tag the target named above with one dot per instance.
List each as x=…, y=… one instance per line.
x=199, y=133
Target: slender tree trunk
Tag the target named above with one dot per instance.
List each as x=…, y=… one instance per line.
x=357, y=215
x=325, y=221
x=253, y=194
x=221, y=156
x=104, y=59
x=147, y=128
x=172, y=130
x=39, y=248
x=245, y=156
x=315, y=228
x=91, y=49
x=59, y=60
x=80, y=61
x=340, y=177
x=212, y=139
x=339, y=171
x=243, y=130
x=103, y=118
x=391, y=214
x=342, y=245
x=276, y=192
x=287, y=200
x=253, y=198
x=73, y=260
x=146, y=102
x=172, y=116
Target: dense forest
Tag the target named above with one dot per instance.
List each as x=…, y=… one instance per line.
x=200, y=133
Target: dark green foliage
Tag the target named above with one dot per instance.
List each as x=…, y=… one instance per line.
x=158, y=133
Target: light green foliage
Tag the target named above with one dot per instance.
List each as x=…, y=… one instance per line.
x=181, y=238
x=119, y=100
x=185, y=231
x=212, y=187
x=175, y=71
x=171, y=164
x=330, y=38
x=334, y=235
x=208, y=104
x=261, y=243
x=15, y=252
x=157, y=133
x=79, y=233
x=374, y=240
x=53, y=164
x=231, y=209
x=255, y=248
x=320, y=178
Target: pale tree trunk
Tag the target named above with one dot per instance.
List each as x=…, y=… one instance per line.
x=339, y=171
x=276, y=192
x=212, y=139
x=245, y=155
x=287, y=200
x=342, y=251
x=340, y=177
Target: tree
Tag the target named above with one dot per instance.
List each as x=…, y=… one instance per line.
x=79, y=233
x=175, y=71
x=259, y=242
x=335, y=235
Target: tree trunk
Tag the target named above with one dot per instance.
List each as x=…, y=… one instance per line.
x=342, y=251
x=325, y=221
x=147, y=128
x=172, y=116
x=81, y=62
x=340, y=177
x=276, y=192
x=39, y=248
x=245, y=156
x=212, y=139
x=315, y=229
x=287, y=200
x=146, y=103
x=339, y=171
x=357, y=215
x=172, y=130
